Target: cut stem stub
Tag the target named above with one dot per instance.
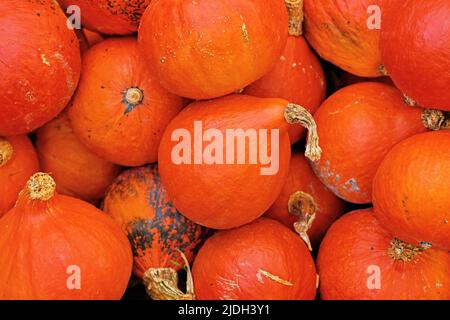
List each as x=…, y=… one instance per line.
x=41, y=186
x=295, y=12
x=302, y=205
x=6, y=151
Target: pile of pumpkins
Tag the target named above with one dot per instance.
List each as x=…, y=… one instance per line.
x=90, y=193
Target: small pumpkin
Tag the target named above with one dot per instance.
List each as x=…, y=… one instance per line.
x=411, y=31
x=224, y=161
x=410, y=192
x=40, y=64
x=212, y=48
x=305, y=204
x=57, y=247
x=131, y=108
x=18, y=161
x=339, y=32
x=262, y=260
x=357, y=126
x=138, y=202
x=77, y=171
x=359, y=260
x=297, y=76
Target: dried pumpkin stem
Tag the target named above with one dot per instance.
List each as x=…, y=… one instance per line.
x=295, y=11
x=402, y=251
x=6, y=151
x=303, y=206
x=295, y=114
x=41, y=186
x=134, y=96
x=383, y=70
x=410, y=102
x=434, y=119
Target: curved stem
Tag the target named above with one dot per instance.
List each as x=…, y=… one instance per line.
x=295, y=12
x=6, y=151
x=41, y=186
x=303, y=206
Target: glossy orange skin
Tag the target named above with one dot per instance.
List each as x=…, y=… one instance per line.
x=302, y=178
x=227, y=266
x=92, y=37
x=415, y=46
x=222, y=196
x=115, y=130
x=338, y=31
x=355, y=244
x=138, y=202
x=40, y=64
x=297, y=77
x=77, y=171
x=40, y=240
x=118, y=17
x=212, y=48
x=15, y=173
x=411, y=188
x=357, y=126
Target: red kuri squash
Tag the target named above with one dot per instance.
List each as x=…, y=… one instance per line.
x=212, y=48
x=359, y=260
x=40, y=64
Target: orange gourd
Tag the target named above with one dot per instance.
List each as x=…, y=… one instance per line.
x=40, y=64
x=359, y=260
x=212, y=48
x=224, y=161
x=131, y=108
x=411, y=190
x=58, y=247
x=18, y=161
x=77, y=171
x=357, y=126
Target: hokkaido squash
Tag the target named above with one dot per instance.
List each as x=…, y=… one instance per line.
x=118, y=17
x=411, y=190
x=261, y=260
x=138, y=202
x=224, y=161
x=305, y=204
x=131, y=108
x=415, y=42
x=357, y=126
x=92, y=37
x=339, y=32
x=77, y=171
x=40, y=64
x=212, y=48
x=297, y=76
x=18, y=161
x=58, y=247
x=359, y=260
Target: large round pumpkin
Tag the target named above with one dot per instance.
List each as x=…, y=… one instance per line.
x=131, y=109
x=415, y=42
x=18, y=161
x=207, y=49
x=359, y=260
x=58, y=247
x=411, y=190
x=39, y=67
x=261, y=260
x=357, y=126
x=77, y=171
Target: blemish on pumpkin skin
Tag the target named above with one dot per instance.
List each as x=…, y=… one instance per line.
x=245, y=33
x=261, y=273
x=352, y=185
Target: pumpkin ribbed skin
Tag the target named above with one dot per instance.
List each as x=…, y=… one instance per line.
x=357, y=126
x=131, y=108
x=212, y=48
x=411, y=187
x=338, y=31
x=356, y=245
x=40, y=64
x=237, y=265
x=138, y=202
x=77, y=171
x=411, y=31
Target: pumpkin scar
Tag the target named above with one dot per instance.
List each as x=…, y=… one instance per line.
x=245, y=33
x=261, y=273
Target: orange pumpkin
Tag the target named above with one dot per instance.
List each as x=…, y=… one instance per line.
x=77, y=171
x=339, y=32
x=58, y=247
x=40, y=64
x=305, y=204
x=92, y=37
x=224, y=161
x=357, y=126
x=18, y=161
x=212, y=48
x=131, y=109
x=411, y=190
x=359, y=260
